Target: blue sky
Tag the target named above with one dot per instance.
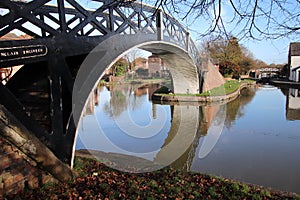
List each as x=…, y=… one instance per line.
x=270, y=51
x=267, y=50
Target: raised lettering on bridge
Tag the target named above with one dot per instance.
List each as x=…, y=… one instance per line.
x=16, y=53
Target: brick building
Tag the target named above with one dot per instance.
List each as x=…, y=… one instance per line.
x=156, y=66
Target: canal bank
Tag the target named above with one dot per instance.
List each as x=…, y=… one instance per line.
x=97, y=181
x=158, y=97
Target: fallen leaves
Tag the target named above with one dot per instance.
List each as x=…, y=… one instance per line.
x=97, y=181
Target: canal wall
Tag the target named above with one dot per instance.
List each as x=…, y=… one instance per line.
x=18, y=171
x=285, y=83
x=26, y=163
x=200, y=99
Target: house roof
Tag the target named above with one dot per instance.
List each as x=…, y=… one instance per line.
x=13, y=36
x=294, y=49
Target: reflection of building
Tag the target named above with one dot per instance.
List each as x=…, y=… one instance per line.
x=294, y=61
x=293, y=104
x=93, y=100
x=208, y=114
x=141, y=91
x=147, y=89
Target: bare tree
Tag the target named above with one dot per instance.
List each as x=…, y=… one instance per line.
x=131, y=57
x=245, y=19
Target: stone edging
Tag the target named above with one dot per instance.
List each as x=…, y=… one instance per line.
x=201, y=99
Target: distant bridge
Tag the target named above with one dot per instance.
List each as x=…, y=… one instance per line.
x=264, y=73
x=69, y=48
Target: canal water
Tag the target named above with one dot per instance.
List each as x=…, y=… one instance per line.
x=254, y=139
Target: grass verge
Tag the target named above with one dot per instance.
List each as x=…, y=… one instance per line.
x=225, y=89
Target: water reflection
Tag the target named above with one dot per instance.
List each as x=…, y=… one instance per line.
x=258, y=144
x=250, y=139
x=293, y=104
x=184, y=126
x=236, y=109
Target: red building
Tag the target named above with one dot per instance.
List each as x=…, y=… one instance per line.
x=156, y=66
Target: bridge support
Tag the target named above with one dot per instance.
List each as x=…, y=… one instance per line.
x=42, y=103
x=18, y=135
x=210, y=76
x=63, y=127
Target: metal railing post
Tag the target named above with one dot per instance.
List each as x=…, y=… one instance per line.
x=159, y=23
x=62, y=16
x=187, y=41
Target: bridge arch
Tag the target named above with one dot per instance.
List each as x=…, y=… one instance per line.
x=183, y=70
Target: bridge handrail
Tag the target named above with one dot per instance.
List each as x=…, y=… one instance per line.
x=112, y=17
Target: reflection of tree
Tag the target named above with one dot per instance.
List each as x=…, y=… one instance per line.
x=121, y=98
x=136, y=102
x=235, y=108
x=117, y=103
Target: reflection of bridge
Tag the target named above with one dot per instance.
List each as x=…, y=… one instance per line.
x=40, y=95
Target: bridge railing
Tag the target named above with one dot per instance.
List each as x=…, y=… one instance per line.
x=69, y=18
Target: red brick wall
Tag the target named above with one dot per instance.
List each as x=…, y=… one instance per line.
x=17, y=171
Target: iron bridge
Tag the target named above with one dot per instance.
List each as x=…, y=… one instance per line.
x=60, y=37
